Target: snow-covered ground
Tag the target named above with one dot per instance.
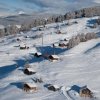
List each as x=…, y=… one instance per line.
x=78, y=66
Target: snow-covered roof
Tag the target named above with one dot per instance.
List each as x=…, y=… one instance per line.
x=54, y=56
x=65, y=42
x=56, y=44
x=31, y=84
x=18, y=26
x=56, y=86
x=39, y=53
x=30, y=69
x=22, y=45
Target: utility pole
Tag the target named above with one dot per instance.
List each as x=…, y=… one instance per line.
x=53, y=49
x=42, y=39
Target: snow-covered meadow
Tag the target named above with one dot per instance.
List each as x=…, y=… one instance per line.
x=78, y=66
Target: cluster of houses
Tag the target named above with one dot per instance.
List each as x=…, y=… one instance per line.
x=28, y=70
x=46, y=56
x=32, y=86
x=62, y=43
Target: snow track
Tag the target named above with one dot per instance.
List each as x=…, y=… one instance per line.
x=65, y=93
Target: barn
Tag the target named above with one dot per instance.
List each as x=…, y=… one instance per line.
x=38, y=54
x=56, y=45
x=29, y=71
x=53, y=87
x=30, y=87
x=85, y=92
x=53, y=57
x=63, y=44
x=23, y=46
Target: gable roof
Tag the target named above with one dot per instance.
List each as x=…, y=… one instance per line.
x=30, y=84
x=54, y=56
x=38, y=53
x=30, y=69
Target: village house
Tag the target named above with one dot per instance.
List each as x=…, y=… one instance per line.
x=53, y=87
x=85, y=92
x=56, y=45
x=63, y=44
x=53, y=57
x=23, y=46
x=59, y=32
x=38, y=54
x=29, y=71
x=65, y=39
x=30, y=87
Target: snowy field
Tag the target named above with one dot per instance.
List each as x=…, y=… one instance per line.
x=78, y=66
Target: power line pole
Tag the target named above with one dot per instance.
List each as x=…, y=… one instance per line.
x=42, y=39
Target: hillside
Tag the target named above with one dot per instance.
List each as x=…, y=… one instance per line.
x=77, y=67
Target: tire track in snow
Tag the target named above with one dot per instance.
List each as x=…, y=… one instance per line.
x=64, y=91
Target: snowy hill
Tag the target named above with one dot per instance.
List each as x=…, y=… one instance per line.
x=78, y=66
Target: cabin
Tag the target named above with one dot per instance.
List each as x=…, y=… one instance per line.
x=30, y=87
x=23, y=46
x=18, y=39
x=59, y=32
x=53, y=87
x=29, y=71
x=65, y=39
x=56, y=45
x=53, y=57
x=38, y=54
x=63, y=44
x=85, y=92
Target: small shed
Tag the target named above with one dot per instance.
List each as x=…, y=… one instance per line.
x=56, y=45
x=63, y=44
x=85, y=92
x=23, y=46
x=29, y=71
x=59, y=32
x=30, y=87
x=53, y=57
x=38, y=54
x=53, y=87
x=65, y=39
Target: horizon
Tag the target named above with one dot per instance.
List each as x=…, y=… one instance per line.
x=14, y=7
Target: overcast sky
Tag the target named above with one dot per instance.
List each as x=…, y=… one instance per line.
x=52, y=6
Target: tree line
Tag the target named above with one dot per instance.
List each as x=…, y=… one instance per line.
x=85, y=12
x=75, y=40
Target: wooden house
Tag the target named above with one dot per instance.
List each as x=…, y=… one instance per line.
x=38, y=54
x=53, y=57
x=59, y=32
x=85, y=92
x=65, y=39
x=63, y=43
x=30, y=87
x=56, y=45
x=29, y=71
x=53, y=87
x=23, y=46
